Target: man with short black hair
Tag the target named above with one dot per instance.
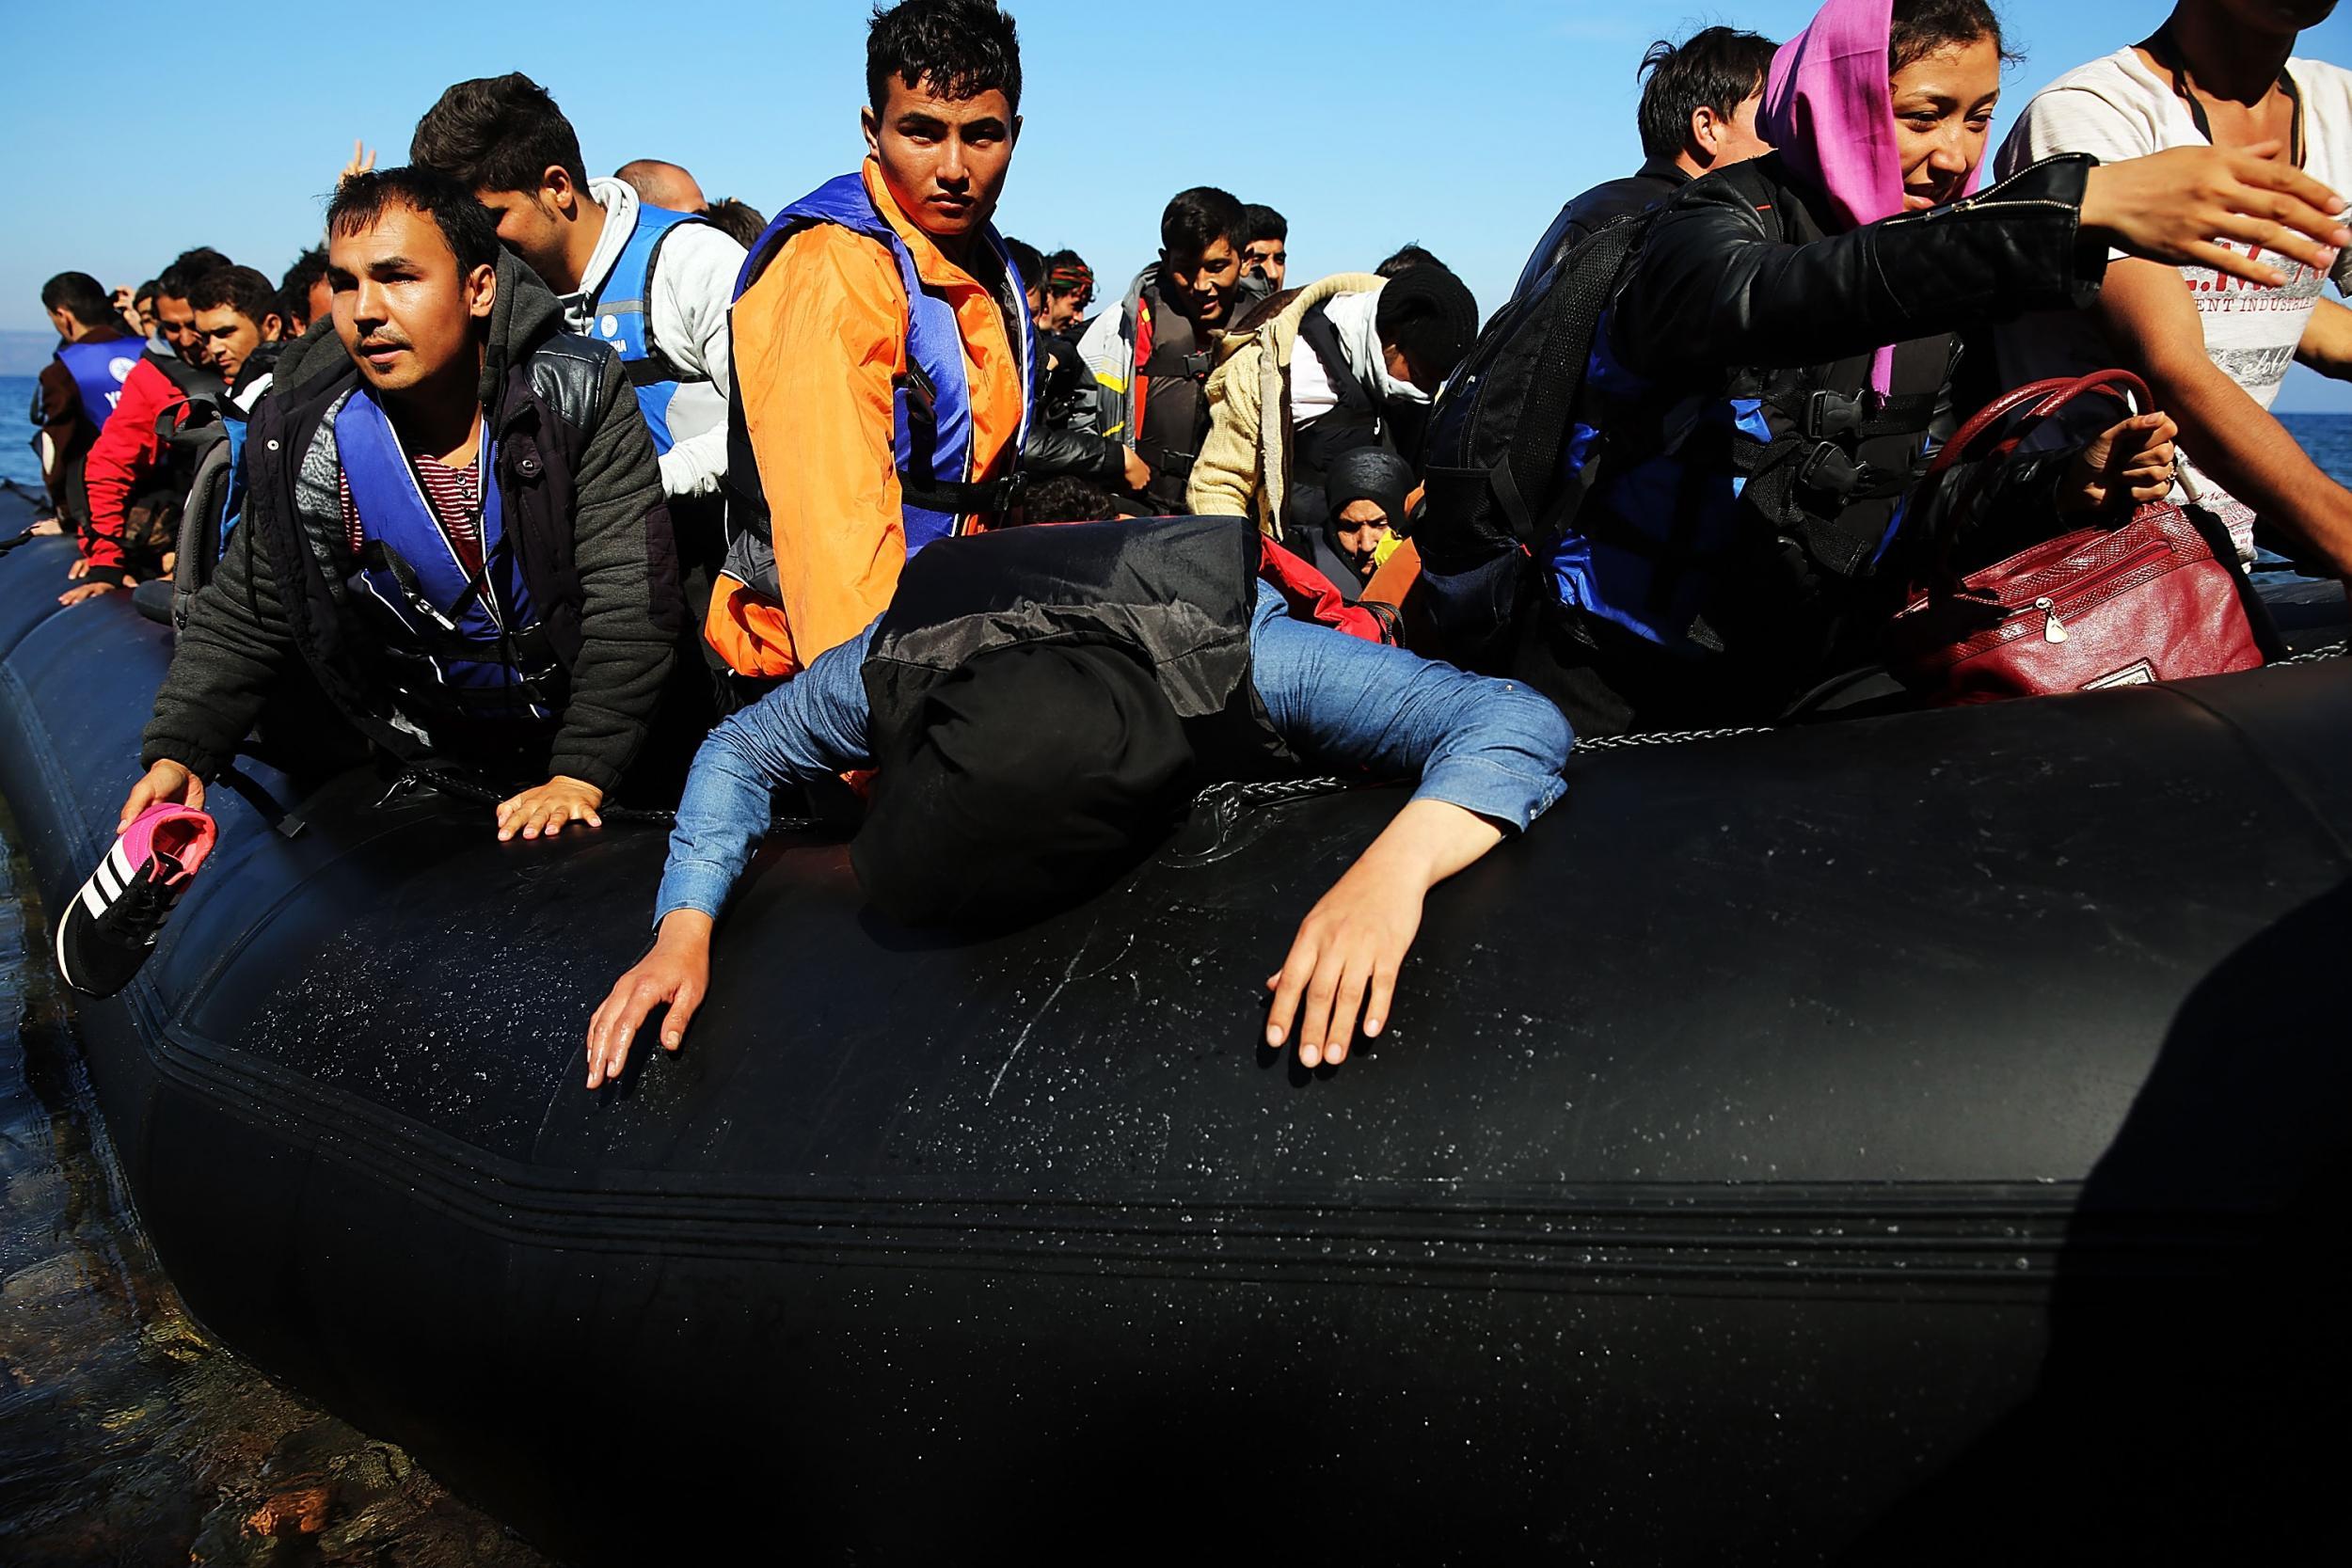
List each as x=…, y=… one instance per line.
x=653, y=281
x=459, y=530
x=239, y=329
x=1266, y=246
x=134, y=496
x=1403, y=259
x=78, y=389
x=303, y=296
x=1152, y=358
x=1069, y=290
x=887, y=277
x=1699, y=113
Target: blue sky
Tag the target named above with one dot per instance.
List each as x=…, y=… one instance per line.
x=1368, y=122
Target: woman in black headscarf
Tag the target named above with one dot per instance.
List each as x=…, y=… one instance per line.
x=1363, y=504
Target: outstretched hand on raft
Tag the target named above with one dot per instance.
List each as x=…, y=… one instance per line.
x=675, y=974
x=1349, y=947
x=549, y=809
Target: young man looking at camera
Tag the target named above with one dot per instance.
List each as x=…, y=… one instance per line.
x=890, y=278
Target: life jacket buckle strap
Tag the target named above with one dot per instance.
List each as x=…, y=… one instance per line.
x=1827, y=469
x=1829, y=415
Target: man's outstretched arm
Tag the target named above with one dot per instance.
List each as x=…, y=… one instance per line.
x=811, y=726
x=1489, y=753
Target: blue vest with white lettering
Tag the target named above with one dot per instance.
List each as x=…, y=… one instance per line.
x=621, y=315
x=456, y=643
x=98, y=370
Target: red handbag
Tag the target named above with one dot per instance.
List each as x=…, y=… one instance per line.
x=2108, y=605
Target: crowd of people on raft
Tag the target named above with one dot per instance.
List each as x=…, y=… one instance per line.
x=573, y=481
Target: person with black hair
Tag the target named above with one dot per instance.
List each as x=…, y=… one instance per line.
x=1266, y=246
x=1028, y=264
x=174, y=318
x=1052, y=447
x=653, y=281
x=1069, y=293
x=77, y=388
x=458, y=527
x=1698, y=112
x=134, y=493
x=1039, y=706
x=737, y=219
x=1376, y=352
x=879, y=280
x=240, y=327
x=1403, y=259
x=142, y=316
x=1152, y=356
x=303, y=296
x=1777, y=361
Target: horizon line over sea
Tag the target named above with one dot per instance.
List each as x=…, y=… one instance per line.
x=2327, y=438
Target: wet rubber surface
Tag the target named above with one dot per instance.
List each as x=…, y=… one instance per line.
x=127, y=1435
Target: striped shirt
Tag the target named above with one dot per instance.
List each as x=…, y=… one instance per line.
x=453, y=494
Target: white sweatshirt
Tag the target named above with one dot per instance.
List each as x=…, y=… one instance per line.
x=692, y=291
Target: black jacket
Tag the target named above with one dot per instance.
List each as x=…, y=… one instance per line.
x=1056, y=444
x=582, y=494
x=1596, y=210
x=1738, y=293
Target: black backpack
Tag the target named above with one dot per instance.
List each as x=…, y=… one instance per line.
x=1494, y=490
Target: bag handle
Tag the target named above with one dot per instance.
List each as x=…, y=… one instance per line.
x=2047, y=396
x=2054, y=393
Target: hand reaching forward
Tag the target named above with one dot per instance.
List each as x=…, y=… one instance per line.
x=2176, y=206
x=2125, y=465
x=1349, y=947
x=167, y=781
x=549, y=808
x=89, y=590
x=675, y=974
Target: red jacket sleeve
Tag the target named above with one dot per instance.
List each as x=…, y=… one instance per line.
x=125, y=452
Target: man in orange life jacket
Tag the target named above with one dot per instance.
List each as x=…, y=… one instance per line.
x=882, y=348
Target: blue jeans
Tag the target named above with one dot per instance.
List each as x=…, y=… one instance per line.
x=1342, y=703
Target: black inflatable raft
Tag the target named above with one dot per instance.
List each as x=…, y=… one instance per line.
x=1917, y=1137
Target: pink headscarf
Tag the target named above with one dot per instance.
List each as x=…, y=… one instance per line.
x=1827, y=112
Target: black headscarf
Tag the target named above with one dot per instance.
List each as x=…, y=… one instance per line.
x=1368, y=474
x=1033, y=776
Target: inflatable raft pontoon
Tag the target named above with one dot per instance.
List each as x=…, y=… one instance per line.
x=1913, y=1138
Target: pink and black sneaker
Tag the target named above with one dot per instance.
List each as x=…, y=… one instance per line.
x=113, y=922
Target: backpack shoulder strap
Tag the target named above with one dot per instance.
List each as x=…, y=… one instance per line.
x=1584, y=286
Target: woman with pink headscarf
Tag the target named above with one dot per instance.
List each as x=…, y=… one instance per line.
x=1780, y=355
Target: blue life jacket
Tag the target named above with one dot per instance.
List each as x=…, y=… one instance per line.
x=460, y=644
x=621, y=315
x=99, y=371
x=1676, y=485
x=931, y=406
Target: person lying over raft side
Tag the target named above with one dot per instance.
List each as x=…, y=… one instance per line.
x=1779, y=354
x=457, y=523
x=1040, y=705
